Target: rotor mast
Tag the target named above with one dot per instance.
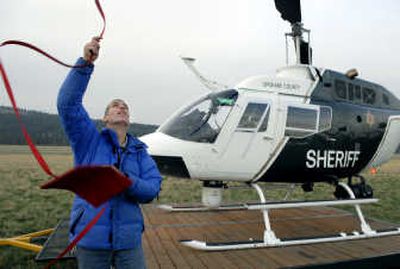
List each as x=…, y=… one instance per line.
x=290, y=11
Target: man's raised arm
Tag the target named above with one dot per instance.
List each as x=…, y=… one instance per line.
x=74, y=118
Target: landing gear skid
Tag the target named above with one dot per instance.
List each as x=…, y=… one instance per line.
x=226, y=207
x=170, y=208
x=271, y=240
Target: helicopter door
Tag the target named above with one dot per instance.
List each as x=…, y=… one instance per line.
x=389, y=143
x=250, y=140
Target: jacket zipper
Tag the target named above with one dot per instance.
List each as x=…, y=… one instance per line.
x=118, y=166
x=120, y=156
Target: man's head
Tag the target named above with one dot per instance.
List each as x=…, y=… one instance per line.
x=117, y=113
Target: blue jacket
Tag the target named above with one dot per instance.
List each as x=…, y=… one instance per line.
x=121, y=225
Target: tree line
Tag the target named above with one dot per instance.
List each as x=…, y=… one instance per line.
x=45, y=128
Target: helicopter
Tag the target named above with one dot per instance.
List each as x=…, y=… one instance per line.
x=303, y=125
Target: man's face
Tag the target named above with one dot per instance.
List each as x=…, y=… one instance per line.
x=117, y=112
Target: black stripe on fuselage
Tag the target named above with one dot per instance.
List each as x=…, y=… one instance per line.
x=342, y=151
x=171, y=166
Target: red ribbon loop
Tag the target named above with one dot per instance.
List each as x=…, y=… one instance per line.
x=43, y=164
x=7, y=85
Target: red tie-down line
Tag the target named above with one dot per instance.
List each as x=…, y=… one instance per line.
x=92, y=183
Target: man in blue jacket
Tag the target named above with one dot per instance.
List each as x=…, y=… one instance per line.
x=116, y=239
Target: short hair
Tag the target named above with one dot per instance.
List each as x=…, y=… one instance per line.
x=112, y=102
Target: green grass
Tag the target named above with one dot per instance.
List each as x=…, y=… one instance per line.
x=26, y=208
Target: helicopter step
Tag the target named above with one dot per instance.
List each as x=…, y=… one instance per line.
x=270, y=239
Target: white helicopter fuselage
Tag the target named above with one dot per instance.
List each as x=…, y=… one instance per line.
x=246, y=143
x=237, y=135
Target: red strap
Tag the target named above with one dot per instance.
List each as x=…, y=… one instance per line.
x=77, y=238
x=33, y=47
x=102, y=16
x=28, y=139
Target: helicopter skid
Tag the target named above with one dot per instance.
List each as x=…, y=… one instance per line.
x=271, y=240
x=268, y=205
x=170, y=208
x=251, y=244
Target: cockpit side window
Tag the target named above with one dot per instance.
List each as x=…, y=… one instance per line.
x=202, y=121
x=252, y=116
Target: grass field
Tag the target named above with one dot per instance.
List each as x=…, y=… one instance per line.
x=26, y=208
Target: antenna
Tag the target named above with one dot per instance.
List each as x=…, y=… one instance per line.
x=290, y=11
x=211, y=85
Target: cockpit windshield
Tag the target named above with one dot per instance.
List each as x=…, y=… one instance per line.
x=202, y=120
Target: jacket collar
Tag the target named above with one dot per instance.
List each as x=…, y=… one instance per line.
x=133, y=144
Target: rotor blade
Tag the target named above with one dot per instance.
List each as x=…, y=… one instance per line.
x=289, y=9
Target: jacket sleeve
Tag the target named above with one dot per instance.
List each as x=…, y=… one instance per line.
x=146, y=187
x=78, y=126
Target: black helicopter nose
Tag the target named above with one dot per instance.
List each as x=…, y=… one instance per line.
x=172, y=166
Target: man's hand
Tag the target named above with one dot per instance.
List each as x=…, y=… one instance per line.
x=91, y=50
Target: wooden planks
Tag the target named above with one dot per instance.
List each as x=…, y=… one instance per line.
x=164, y=230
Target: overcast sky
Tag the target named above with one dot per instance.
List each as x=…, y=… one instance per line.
x=231, y=39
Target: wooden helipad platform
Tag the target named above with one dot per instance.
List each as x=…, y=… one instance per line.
x=164, y=230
